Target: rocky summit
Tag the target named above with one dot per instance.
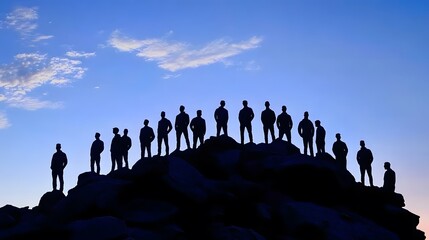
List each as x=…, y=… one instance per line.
x=222, y=190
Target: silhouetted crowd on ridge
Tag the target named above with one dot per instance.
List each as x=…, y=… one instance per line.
x=120, y=145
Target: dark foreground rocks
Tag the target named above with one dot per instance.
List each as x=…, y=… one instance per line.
x=222, y=190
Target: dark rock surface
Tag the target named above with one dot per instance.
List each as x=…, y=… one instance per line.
x=221, y=190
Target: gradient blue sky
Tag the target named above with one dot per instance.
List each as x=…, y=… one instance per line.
x=71, y=68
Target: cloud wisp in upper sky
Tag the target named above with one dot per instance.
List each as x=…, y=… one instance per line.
x=174, y=56
x=24, y=21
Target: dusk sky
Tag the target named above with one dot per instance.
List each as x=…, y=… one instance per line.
x=69, y=69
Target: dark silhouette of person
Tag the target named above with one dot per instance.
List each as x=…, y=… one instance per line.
x=116, y=149
x=364, y=158
x=306, y=131
x=164, y=128
x=58, y=163
x=126, y=145
x=245, y=117
x=268, y=118
x=320, y=137
x=340, y=150
x=284, y=124
x=146, y=137
x=198, y=128
x=97, y=148
x=389, y=178
x=221, y=117
x=181, y=126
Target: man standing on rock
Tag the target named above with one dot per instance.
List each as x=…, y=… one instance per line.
x=164, y=128
x=221, y=117
x=181, y=125
x=340, y=150
x=146, y=137
x=306, y=131
x=284, y=124
x=364, y=158
x=198, y=127
x=116, y=149
x=58, y=163
x=126, y=145
x=389, y=178
x=268, y=118
x=320, y=137
x=245, y=117
x=97, y=148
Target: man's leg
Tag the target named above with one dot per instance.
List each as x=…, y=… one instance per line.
x=265, y=134
x=288, y=136
x=97, y=162
x=126, y=159
x=310, y=145
x=272, y=133
x=167, y=148
x=305, y=143
x=218, y=127
x=178, y=135
x=61, y=177
x=185, y=133
x=362, y=174
x=249, y=130
x=54, y=180
x=369, y=170
x=112, y=157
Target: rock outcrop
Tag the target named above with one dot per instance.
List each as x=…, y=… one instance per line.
x=221, y=190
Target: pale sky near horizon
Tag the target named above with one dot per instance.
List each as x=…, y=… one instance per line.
x=69, y=69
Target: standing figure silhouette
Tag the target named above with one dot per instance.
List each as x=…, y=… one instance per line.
x=116, y=149
x=306, y=131
x=389, y=178
x=97, y=148
x=340, y=150
x=221, y=117
x=181, y=126
x=284, y=124
x=245, y=117
x=164, y=128
x=126, y=145
x=364, y=158
x=58, y=163
x=146, y=137
x=268, y=118
x=320, y=137
x=198, y=127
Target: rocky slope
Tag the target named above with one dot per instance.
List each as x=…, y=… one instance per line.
x=222, y=190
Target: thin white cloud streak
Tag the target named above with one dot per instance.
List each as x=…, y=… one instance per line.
x=75, y=54
x=22, y=20
x=42, y=38
x=174, y=56
x=4, y=122
x=32, y=70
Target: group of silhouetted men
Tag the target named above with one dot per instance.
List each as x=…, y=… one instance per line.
x=120, y=145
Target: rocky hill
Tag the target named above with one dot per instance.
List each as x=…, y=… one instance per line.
x=222, y=190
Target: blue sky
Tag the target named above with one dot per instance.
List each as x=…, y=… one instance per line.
x=71, y=68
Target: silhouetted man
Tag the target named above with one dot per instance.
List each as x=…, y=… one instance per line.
x=221, y=117
x=268, y=118
x=284, y=124
x=58, y=163
x=198, y=127
x=306, y=131
x=340, y=150
x=164, y=127
x=97, y=148
x=116, y=149
x=320, y=137
x=146, y=137
x=364, y=158
x=181, y=126
x=389, y=178
x=126, y=145
x=245, y=117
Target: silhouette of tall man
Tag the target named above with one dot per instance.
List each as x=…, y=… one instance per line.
x=284, y=124
x=126, y=145
x=146, y=137
x=364, y=158
x=389, y=178
x=320, y=137
x=198, y=127
x=116, y=149
x=97, y=148
x=164, y=128
x=268, y=118
x=306, y=131
x=58, y=163
x=221, y=117
x=340, y=150
x=181, y=126
x=245, y=117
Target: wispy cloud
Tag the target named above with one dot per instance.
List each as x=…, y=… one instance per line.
x=174, y=56
x=169, y=76
x=24, y=21
x=32, y=70
x=4, y=122
x=75, y=54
